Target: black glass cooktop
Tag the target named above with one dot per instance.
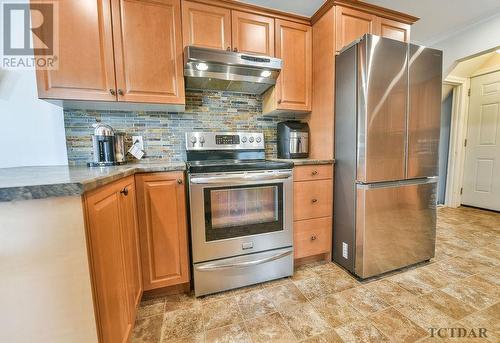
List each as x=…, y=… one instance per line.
x=214, y=166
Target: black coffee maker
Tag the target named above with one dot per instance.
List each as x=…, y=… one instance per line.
x=103, y=143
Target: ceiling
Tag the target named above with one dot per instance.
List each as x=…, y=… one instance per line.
x=439, y=18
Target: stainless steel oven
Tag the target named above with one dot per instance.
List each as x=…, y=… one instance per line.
x=241, y=224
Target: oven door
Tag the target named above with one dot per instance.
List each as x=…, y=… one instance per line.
x=239, y=213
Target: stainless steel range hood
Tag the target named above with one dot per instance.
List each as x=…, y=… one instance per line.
x=230, y=71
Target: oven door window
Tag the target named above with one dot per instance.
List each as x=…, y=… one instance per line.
x=238, y=211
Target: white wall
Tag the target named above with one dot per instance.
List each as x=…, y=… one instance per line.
x=31, y=130
x=45, y=288
x=472, y=40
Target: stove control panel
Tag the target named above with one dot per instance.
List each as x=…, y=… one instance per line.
x=224, y=141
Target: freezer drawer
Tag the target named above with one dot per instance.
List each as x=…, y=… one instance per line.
x=395, y=225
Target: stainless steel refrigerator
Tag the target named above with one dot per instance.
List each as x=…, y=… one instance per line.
x=387, y=123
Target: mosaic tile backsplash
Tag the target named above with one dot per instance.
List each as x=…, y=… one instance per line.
x=164, y=132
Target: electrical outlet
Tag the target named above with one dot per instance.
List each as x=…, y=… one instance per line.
x=139, y=140
x=344, y=250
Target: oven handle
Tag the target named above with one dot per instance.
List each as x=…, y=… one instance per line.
x=210, y=267
x=240, y=178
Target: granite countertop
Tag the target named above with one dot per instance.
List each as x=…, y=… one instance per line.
x=25, y=183
x=306, y=161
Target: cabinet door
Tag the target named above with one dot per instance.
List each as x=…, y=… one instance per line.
x=252, y=33
x=294, y=47
x=107, y=262
x=131, y=244
x=394, y=30
x=148, y=51
x=86, y=67
x=352, y=24
x=163, y=229
x=206, y=26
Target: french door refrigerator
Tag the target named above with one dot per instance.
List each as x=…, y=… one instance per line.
x=387, y=123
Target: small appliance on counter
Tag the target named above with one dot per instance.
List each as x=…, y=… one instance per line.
x=108, y=146
x=293, y=139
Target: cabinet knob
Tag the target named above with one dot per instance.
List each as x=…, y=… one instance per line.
x=313, y=237
x=112, y=91
x=228, y=48
x=124, y=191
x=235, y=49
x=279, y=101
x=314, y=172
x=120, y=92
x=179, y=181
x=314, y=201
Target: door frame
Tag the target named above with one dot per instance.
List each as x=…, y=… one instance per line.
x=458, y=134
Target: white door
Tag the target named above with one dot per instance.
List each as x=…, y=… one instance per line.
x=481, y=186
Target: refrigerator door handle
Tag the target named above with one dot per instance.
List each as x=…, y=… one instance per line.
x=387, y=184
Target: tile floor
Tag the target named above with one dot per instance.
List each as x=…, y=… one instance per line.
x=322, y=303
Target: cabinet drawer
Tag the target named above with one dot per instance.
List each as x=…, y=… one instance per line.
x=314, y=172
x=312, y=237
x=312, y=199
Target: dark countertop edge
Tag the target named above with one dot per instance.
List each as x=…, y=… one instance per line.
x=77, y=188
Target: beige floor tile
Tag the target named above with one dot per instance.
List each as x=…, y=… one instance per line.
x=389, y=291
x=448, y=305
x=198, y=338
x=235, y=333
x=489, y=319
x=303, y=272
x=277, y=282
x=362, y=331
x=338, y=281
x=248, y=289
x=148, y=329
x=455, y=269
x=412, y=283
x=397, y=326
x=221, y=313
x=424, y=314
x=284, y=295
x=151, y=308
x=181, y=323
x=216, y=296
x=363, y=300
x=474, y=291
x=269, y=328
x=254, y=304
x=329, y=336
x=312, y=287
x=181, y=301
x=335, y=310
x=303, y=320
x=327, y=267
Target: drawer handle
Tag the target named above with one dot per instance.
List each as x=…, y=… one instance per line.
x=112, y=91
x=314, y=172
x=124, y=191
x=314, y=201
x=314, y=237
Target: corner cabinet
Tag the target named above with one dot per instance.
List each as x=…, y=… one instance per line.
x=161, y=201
x=293, y=90
x=106, y=53
x=394, y=29
x=112, y=239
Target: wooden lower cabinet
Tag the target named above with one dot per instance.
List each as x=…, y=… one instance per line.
x=113, y=255
x=161, y=201
x=312, y=211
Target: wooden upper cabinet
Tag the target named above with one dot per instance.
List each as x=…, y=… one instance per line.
x=394, y=30
x=252, y=33
x=163, y=229
x=294, y=47
x=352, y=24
x=206, y=26
x=148, y=51
x=86, y=65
